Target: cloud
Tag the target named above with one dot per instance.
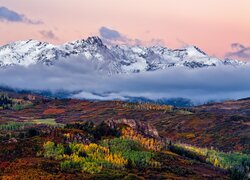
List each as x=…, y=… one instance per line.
x=154, y=42
x=80, y=77
x=48, y=34
x=239, y=51
x=111, y=36
x=7, y=15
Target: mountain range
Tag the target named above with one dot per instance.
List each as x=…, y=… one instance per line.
x=111, y=59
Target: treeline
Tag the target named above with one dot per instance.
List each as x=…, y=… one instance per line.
x=92, y=158
x=148, y=106
x=146, y=142
x=97, y=131
x=110, y=149
x=236, y=163
x=5, y=102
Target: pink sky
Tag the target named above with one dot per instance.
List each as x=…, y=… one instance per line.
x=212, y=25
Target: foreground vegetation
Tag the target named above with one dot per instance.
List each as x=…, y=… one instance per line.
x=116, y=153
x=237, y=163
x=12, y=126
x=121, y=149
x=74, y=139
x=129, y=150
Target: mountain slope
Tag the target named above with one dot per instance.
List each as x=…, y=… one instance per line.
x=111, y=59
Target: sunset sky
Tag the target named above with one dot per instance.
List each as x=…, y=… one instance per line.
x=212, y=25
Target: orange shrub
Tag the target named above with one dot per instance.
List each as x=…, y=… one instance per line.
x=53, y=111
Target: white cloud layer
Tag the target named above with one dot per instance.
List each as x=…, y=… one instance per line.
x=78, y=75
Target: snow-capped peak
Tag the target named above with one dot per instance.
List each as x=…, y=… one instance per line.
x=111, y=59
x=94, y=40
x=195, y=51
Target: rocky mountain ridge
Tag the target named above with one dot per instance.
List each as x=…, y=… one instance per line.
x=111, y=59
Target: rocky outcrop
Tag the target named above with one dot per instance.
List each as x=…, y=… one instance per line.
x=143, y=128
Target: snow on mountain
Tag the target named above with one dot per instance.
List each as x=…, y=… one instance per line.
x=111, y=59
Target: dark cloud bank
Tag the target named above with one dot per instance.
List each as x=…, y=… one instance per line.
x=111, y=36
x=74, y=75
x=7, y=15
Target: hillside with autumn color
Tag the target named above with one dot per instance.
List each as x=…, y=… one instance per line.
x=75, y=139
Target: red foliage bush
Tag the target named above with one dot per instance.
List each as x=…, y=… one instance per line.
x=53, y=111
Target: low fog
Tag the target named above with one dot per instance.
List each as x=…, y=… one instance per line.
x=76, y=75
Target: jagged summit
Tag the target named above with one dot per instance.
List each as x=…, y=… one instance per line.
x=94, y=40
x=111, y=59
